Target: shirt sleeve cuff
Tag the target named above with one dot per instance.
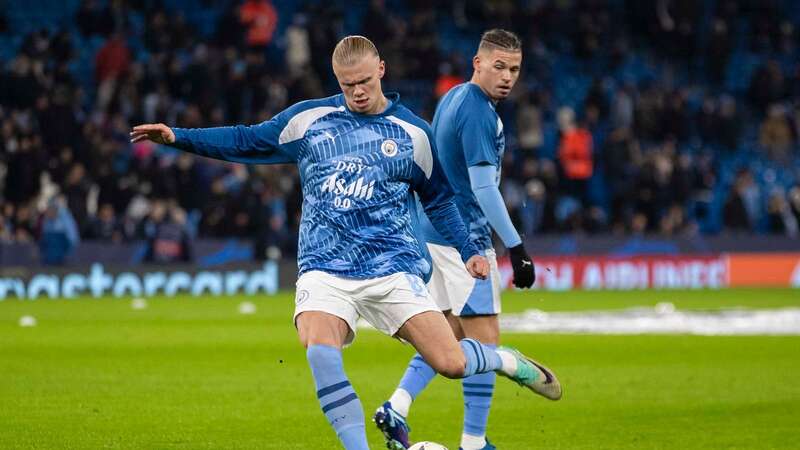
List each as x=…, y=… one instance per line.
x=468, y=250
x=180, y=136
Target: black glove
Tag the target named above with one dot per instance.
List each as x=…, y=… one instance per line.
x=524, y=272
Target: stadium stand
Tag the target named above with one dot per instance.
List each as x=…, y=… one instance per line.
x=688, y=111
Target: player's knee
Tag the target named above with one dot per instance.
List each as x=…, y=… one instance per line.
x=452, y=366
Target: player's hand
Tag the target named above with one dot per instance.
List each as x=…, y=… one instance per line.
x=156, y=132
x=478, y=267
x=524, y=271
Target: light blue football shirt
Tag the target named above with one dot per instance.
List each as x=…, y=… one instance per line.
x=468, y=132
x=358, y=175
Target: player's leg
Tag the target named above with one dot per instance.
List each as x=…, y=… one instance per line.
x=479, y=388
x=391, y=416
x=479, y=320
x=405, y=310
x=325, y=324
x=455, y=325
x=430, y=335
x=418, y=375
x=454, y=290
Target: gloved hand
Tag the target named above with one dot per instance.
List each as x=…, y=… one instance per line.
x=524, y=272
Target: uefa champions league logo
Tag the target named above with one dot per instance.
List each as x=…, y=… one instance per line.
x=389, y=148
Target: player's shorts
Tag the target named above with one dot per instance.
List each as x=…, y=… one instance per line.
x=454, y=289
x=385, y=302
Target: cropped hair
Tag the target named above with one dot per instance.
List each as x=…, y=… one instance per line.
x=352, y=49
x=499, y=39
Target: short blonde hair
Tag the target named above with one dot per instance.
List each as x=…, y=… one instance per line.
x=352, y=49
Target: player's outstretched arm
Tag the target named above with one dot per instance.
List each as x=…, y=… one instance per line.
x=256, y=144
x=156, y=132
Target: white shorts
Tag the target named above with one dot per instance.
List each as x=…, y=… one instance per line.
x=385, y=302
x=454, y=289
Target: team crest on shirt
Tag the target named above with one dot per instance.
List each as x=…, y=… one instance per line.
x=301, y=296
x=389, y=148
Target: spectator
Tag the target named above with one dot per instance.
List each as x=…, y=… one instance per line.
x=24, y=224
x=22, y=85
x=76, y=194
x=794, y=202
x=298, y=49
x=271, y=233
x=719, y=50
x=529, y=124
x=111, y=64
x=622, y=108
x=448, y=78
x=159, y=37
x=6, y=223
x=776, y=134
x=649, y=113
x=532, y=212
x=105, y=226
x=575, y=155
x=25, y=165
x=675, y=117
x=622, y=161
x=596, y=99
x=707, y=120
x=738, y=211
x=729, y=123
x=767, y=86
x=59, y=233
x=779, y=215
x=166, y=233
x=260, y=19
x=674, y=222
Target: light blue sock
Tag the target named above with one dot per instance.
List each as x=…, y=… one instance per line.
x=478, y=391
x=338, y=400
x=480, y=358
x=417, y=376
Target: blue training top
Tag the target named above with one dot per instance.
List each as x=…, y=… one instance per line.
x=358, y=175
x=469, y=134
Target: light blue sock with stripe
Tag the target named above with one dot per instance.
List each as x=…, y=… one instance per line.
x=478, y=391
x=480, y=358
x=338, y=400
x=417, y=376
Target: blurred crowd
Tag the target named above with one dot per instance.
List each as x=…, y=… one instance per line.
x=656, y=137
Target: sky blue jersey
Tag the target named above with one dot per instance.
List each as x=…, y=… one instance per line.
x=468, y=132
x=358, y=175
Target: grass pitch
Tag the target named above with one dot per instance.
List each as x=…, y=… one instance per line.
x=194, y=374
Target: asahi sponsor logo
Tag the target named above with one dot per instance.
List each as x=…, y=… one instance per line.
x=358, y=188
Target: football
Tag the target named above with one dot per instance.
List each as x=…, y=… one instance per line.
x=425, y=445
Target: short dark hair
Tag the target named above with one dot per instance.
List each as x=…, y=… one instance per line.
x=499, y=39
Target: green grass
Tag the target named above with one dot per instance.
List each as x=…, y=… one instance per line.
x=193, y=374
